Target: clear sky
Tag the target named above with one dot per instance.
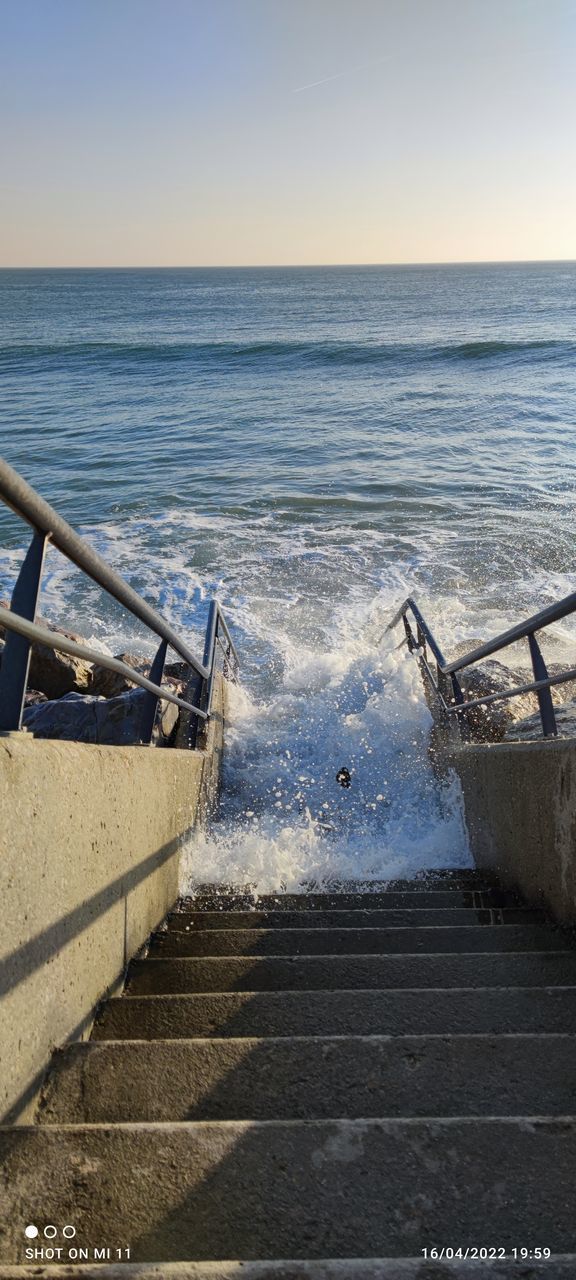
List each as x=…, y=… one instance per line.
x=200, y=132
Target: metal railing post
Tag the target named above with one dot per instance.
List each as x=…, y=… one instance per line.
x=150, y=706
x=458, y=700
x=544, y=696
x=408, y=632
x=208, y=660
x=196, y=692
x=16, y=656
x=445, y=688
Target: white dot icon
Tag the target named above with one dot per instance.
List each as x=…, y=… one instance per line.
x=31, y=1231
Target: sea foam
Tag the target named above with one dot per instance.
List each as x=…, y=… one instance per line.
x=285, y=821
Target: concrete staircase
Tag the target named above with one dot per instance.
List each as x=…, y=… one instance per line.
x=346, y=1080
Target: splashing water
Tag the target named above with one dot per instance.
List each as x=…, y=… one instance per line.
x=286, y=821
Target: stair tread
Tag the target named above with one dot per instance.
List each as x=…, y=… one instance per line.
x=165, y=974
x=394, y=1012
x=429, y=895
x=468, y=874
x=380, y=900
x=208, y=1189
x=223, y=897
x=395, y=917
x=559, y=1268
x=311, y=1077
x=412, y=939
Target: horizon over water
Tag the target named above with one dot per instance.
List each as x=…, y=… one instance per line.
x=311, y=444
x=303, y=266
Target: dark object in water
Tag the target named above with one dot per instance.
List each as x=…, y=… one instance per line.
x=343, y=777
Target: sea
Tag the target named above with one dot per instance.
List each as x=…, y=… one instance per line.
x=309, y=446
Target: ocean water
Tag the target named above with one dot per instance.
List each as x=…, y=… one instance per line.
x=311, y=446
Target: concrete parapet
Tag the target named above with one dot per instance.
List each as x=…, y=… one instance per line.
x=520, y=802
x=88, y=867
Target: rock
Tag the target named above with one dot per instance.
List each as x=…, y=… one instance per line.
x=180, y=671
x=54, y=673
x=32, y=697
x=530, y=727
x=561, y=693
x=168, y=721
x=107, y=721
x=73, y=718
x=490, y=723
x=109, y=684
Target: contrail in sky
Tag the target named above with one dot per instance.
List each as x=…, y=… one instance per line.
x=350, y=71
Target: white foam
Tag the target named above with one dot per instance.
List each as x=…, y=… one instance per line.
x=323, y=685
x=286, y=821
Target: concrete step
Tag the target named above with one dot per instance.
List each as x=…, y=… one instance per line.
x=323, y=1188
x=277, y=942
x=227, y=897
x=423, y=897
x=159, y=975
x=402, y=918
x=457, y=1011
x=560, y=1268
x=311, y=1078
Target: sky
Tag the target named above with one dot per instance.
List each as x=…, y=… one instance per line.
x=262, y=132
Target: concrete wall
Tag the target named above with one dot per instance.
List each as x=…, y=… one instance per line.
x=89, y=840
x=520, y=801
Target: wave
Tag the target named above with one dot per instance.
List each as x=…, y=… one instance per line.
x=287, y=351
x=489, y=348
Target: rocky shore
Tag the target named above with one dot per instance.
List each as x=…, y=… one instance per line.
x=79, y=701
x=515, y=719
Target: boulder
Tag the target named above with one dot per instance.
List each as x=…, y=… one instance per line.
x=108, y=721
x=489, y=723
x=109, y=684
x=165, y=730
x=55, y=674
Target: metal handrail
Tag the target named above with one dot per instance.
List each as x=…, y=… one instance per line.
x=522, y=631
x=23, y=630
x=446, y=685
x=26, y=503
x=56, y=640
